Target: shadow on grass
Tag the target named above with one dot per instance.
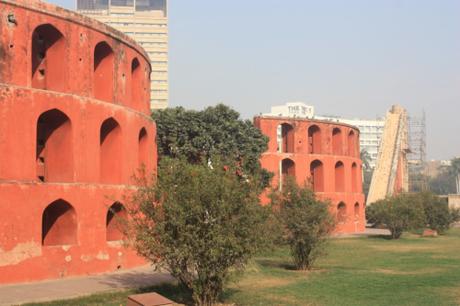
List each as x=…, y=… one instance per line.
x=182, y=295
x=228, y=294
x=385, y=237
x=174, y=292
x=272, y=263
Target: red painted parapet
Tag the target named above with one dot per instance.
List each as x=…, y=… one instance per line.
x=74, y=128
x=322, y=154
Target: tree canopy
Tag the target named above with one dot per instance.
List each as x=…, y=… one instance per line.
x=447, y=181
x=398, y=213
x=366, y=159
x=217, y=130
x=455, y=171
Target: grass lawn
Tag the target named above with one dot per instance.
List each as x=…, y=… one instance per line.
x=356, y=271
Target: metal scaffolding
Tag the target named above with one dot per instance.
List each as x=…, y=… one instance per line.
x=417, y=157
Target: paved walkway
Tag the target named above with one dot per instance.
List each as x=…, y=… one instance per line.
x=368, y=232
x=80, y=286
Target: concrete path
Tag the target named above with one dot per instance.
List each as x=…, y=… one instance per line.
x=80, y=286
x=368, y=232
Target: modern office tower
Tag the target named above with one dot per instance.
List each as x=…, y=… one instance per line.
x=146, y=21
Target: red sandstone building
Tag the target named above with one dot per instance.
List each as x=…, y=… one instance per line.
x=74, y=127
x=322, y=154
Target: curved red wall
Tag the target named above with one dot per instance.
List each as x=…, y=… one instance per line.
x=327, y=160
x=74, y=129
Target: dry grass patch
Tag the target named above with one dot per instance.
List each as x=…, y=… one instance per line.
x=268, y=282
x=453, y=293
x=440, y=256
x=287, y=300
x=405, y=248
x=413, y=272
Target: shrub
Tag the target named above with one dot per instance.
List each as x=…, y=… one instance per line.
x=198, y=222
x=398, y=213
x=306, y=221
x=438, y=215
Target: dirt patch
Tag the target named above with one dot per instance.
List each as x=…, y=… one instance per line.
x=440, y=256
x=269, y=282
x=282, y=300
x=415, y=272
x=404, y=248
x=454, y=293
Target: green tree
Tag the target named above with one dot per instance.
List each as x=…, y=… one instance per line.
x=443, y=183
x=398, y=213
x=447, y=180
x=367, y=179
x=199, y=223
x=215, y=131
x=366, y=160
x=438, y=215
x=306, y=220
x=367, y=171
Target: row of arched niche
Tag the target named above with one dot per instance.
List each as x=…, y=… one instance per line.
x=317, y=179
x=342, y=215
x=287, y=143
x=55, y=152
x=60, y=223
x=49, y=50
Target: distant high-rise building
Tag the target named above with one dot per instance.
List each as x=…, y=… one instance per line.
x=146, y=21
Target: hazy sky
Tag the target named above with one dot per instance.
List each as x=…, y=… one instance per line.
x=352, y=58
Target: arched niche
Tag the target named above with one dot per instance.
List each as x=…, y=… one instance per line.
x=314, y=140
x=59, y=224
x=339, y=177
x=341, y=213
x=287, y=138
x=137, y=83
x=143, y=148
x=103, y=77
x=287, y=170
x=337, y=145
x=116, y=215
x=48, y=53
x=111, y=162
x=54, y=147
x=317, y=175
